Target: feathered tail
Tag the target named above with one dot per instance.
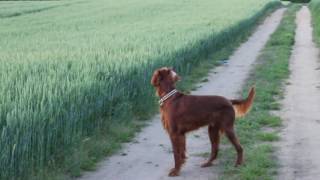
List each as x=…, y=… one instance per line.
x=243, y=106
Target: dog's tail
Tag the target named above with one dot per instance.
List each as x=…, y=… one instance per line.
x=243, y=106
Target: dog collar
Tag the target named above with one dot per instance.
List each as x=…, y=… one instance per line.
x=167, y=96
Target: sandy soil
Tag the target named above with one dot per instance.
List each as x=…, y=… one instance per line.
x=300, y=146
x=150, y=157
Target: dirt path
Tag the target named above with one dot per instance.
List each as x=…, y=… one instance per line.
x=300, y=145
x=149, y=158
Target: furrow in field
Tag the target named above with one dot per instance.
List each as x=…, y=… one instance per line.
x=150, y=157
x=9, y=11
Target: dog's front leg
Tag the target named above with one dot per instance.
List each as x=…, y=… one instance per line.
x=176, y=143
x=183, y=149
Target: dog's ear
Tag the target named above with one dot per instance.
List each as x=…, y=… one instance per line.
x=156, y=78
x=175, y=76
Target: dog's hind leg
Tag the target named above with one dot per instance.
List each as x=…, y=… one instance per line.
x=233, y=139
x=214, y=136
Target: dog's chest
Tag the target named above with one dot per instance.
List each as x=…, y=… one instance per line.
x=164, y=119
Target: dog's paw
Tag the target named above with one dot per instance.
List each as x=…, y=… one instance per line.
x=207, y=164
x=238, y=163
x=173, y=172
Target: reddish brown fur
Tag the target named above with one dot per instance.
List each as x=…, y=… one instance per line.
x=183, y=113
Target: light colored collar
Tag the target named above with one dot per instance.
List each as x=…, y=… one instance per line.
x=167, y=96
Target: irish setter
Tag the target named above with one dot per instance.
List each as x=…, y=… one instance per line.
x=182, y=113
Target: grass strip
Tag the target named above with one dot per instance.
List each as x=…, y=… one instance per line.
x=258, y=130
x=315, y=11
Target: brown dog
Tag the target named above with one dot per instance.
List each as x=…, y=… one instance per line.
x=182, y=113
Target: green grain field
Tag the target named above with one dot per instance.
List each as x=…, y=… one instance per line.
x=68, y=69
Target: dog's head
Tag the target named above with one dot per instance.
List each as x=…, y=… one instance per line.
x=164, y=75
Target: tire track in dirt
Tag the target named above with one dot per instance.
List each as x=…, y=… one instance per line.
x=150, y=157
x=299, y=152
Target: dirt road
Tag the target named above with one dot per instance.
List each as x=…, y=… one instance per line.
x=149, y=158
x=300, y=146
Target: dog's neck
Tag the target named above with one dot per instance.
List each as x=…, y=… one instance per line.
x=164, y=89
